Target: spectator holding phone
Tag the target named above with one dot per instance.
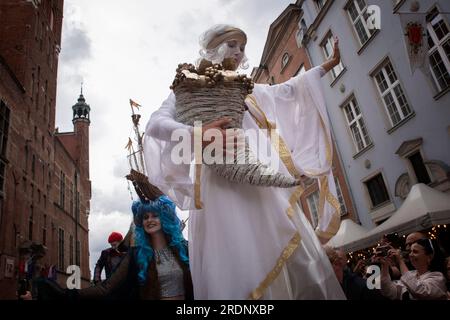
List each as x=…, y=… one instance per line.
x=360, y=268
x=382, y=251
x=354, y=286
x=425, y=283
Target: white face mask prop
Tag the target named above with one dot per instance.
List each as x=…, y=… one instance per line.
x=234, y=50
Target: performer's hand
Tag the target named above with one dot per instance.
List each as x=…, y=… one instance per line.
x=232, y=139
x=395, y=255
x=335, y=58
x=336, y=52
x=220, y=124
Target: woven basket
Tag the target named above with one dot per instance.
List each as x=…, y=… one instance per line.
x=195, y=103
x=226, y=99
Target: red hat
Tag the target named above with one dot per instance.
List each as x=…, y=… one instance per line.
x=115, y=236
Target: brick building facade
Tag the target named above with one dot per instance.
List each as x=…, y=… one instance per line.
x=45, y=189
x=282, y=59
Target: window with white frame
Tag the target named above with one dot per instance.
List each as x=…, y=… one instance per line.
x=357, y=12
x=439, y=49
x=320, y=4
x=301, y=70
x=355, y=121
x=377, y=190
x=340, y=197
x=392, y=94
x=301, y=32
x=327, y=47
x=285, y=60
x=313, y=205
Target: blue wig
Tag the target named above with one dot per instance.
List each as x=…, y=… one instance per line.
x=170, y=225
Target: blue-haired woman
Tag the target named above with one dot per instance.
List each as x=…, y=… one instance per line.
x=157, y=266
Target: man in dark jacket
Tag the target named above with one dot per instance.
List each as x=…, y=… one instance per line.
x=354, y=286
x=109, y=258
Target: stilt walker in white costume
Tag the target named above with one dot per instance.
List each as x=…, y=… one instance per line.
x=250, y=241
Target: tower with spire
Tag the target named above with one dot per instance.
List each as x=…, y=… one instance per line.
x=76, y=145
x=81, y=109
x=81, y=121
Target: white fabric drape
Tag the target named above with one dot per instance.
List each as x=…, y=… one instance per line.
x=243, y=243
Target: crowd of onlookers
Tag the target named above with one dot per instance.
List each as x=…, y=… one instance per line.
x=414, y=270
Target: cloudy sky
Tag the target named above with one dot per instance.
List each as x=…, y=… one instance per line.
x=130, y=49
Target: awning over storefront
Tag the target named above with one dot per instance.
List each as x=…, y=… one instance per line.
x=423, y=208
x=348, y=232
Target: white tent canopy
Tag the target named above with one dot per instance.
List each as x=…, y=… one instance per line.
x=349, y=231
x=423, y=208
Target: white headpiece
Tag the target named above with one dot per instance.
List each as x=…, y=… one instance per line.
x=214, y=47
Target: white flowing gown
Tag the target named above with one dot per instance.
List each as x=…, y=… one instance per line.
x=248, y=241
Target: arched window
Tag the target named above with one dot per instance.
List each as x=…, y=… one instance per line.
x=285, y=60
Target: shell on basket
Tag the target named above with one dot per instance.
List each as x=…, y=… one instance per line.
x=213, y=93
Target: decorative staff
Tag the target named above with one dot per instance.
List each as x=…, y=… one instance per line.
x=135, y=118
x=144, y=189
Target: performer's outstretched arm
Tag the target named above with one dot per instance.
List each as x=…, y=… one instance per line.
x=104, y=289
x=335, y=59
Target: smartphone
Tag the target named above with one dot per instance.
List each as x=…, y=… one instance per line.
x=382, y=251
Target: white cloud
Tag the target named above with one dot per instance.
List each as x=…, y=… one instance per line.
x=130, y=49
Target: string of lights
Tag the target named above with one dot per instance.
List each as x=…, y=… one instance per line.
x=433, y=233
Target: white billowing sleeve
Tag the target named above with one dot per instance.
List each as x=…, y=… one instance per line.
x=162, y=122
x=168, y=154
x=297, y=107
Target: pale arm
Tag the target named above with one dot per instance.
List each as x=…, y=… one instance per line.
x=389, y=289
x=162, y=122
x=335, y=59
